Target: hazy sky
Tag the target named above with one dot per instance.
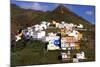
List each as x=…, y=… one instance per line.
x=85, y=11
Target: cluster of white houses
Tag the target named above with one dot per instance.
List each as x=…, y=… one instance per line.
x=66, y=39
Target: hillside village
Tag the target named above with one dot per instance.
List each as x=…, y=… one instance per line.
x=59, y=36
x=67, y=38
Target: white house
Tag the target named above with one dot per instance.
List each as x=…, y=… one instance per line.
x=48, y=24
x=39, y=34
x=36, y=28
x=53, y=41
x=42, y=26
x=65, y=56
x=44, y=22
x=80, y=55
x=50, y=36
x=75, y=60
x=61, y=26
x=51, y=46
x=80, y=26
x=57, y=25
x=62, y=22
x=17, y=38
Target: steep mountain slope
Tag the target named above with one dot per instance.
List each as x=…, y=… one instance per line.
x=61, y=13
x=22, y=18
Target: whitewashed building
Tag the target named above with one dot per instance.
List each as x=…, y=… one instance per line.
x=39, y=34
x=52, y=44
x=80, y=55
x=80, y=26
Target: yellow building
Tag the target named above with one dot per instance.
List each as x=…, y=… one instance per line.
x=79, y=36
x=77, y=46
